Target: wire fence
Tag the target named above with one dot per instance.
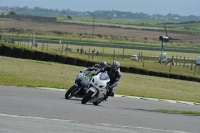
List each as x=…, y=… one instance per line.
x=93, y=51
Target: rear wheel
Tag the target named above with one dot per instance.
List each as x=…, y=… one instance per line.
x=87, y=97
x=70, y=93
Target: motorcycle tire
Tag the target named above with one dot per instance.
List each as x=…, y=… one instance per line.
x=69, y=94
x=96, y=103
x=87, y=97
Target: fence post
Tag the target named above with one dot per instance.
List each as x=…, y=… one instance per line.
x=67, y=49
x=118, y=57
x=103, y=53
x=62, y=49
x=123, y=55
x=195, y=70
x=184, y=62
x=141, y=56
x=199, y=70
x=89, y=54
x=176, y=60
x=170, y=68
x=143, y=63
x=188, y=63
x=82, y=50
x=42, y=46
x=191, y=65
x=114, y=55
x=92, y=54
x=180, y=61
x=47, y=46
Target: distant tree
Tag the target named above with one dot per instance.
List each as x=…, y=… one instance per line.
x=12, y=13
x=69, y=17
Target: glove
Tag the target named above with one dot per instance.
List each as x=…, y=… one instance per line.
x=110, y=87
x=94, y=74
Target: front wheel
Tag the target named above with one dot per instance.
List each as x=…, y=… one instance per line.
x=70, y=93
x=87, y=97
x=96, y=103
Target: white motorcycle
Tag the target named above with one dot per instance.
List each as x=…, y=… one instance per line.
x=98, y=89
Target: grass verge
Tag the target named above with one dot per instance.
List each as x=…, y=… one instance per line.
x=195, y=113
x=31, y=73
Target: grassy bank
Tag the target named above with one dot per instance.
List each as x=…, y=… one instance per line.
x=30, y=73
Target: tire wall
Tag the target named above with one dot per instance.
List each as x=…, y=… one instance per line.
x=81, y=62
x=6, y=51
x=36, y=55
x=27, y=54
x=0, y=49
x=60, y=59
x=17, y=53
x=49, y=57
x=124, y=69
x=71, y=61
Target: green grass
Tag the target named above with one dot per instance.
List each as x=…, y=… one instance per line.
x=157, y=25
x=146, y=64
x=195, y=113
x=31, y=73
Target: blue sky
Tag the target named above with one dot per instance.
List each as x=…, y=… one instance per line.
x=181, y=7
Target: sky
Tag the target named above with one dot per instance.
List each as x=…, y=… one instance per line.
x=180, y=7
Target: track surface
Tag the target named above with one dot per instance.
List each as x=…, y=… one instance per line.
x=29, y=110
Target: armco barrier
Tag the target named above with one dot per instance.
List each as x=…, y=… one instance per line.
x=38, y=56
x=27, y=54
x=71, y=61
x=49, y=57
x=60, y=59
x=124, y=69
x=6, y=51
x=81, y=63
x=17, y=52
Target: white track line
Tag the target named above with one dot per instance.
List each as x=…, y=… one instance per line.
x=103, y=124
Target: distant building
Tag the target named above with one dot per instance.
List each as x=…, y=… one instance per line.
x=3, y=12
x=83, y=14
x=176, y=18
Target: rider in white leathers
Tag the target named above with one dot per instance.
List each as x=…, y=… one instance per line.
x=114, y=74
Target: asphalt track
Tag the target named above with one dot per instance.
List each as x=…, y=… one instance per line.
x=30, y=110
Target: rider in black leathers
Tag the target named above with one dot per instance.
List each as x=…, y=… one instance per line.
x=114, y=73
x=101, y=65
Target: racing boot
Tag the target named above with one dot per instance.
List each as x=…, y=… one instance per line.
x=111, y=92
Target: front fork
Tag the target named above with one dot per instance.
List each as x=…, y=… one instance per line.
x=78, y=88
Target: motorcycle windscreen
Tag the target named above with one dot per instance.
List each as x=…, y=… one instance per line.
x=87, y=73
x=104, y=76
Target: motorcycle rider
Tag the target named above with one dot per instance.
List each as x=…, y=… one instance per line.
x=78, y=81
x=114, y=73
x=101, y=65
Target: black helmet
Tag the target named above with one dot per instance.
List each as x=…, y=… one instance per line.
x=103, y=64
x=115, y=65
